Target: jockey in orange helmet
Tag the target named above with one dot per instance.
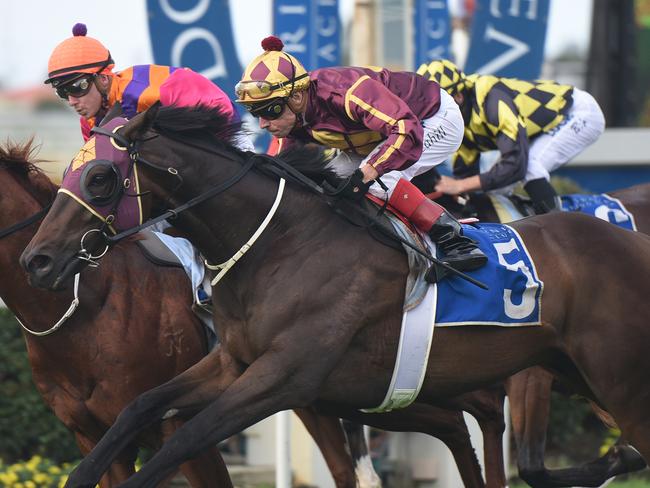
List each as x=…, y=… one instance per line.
x=81, y=71
x=396, y=125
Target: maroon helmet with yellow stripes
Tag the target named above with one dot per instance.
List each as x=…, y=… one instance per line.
x=272, y=74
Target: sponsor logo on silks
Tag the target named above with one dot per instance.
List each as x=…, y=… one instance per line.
x=602, y=206
x=514, y=297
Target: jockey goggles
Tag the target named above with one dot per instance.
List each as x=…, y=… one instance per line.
x=261, y=89
x=77, y=87
x=270, y=110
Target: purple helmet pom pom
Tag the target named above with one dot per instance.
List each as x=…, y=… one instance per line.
x=79, y=30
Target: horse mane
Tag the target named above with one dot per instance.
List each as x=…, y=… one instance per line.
x=207, y=125
x=20, y=160
x=311, y=160
x=201, y=123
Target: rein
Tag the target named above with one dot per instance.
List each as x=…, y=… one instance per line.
x=71, y=309
x=75, y=302
x=25, y=223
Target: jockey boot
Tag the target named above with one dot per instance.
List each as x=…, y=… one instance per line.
x=543, y=196
x=460, y=252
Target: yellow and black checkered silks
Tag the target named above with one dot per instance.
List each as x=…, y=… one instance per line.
x=275, y=67
x=446, y=74
x=505, y=114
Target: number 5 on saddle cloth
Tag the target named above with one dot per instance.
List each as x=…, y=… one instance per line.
x=514, y=298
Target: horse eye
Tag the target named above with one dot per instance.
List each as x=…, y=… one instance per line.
x=98, y=179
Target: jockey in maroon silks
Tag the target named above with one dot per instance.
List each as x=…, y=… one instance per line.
x=80, y=69
x=393, y=125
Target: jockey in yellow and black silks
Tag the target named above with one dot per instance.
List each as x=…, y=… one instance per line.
x=390, y=124
x=537, y=126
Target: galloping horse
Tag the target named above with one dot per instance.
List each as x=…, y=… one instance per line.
x=86, y=371
x=311, y=313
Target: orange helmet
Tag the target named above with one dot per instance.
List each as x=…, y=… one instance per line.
x=79, y=54
x=271, y=75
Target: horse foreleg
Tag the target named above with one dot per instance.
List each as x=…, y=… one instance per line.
x=206, y=470
x=366, y=475
x=329, y=436
x=486, y=406
x=184, y=395
x=447, y=425
x=276, y=381
x=120, y=469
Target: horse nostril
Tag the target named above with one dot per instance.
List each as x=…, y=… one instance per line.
x=39, y=264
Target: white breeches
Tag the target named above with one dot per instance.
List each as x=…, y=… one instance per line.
x=583, y=124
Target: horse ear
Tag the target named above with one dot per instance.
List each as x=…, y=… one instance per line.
x=141, y=123
x=115, y=111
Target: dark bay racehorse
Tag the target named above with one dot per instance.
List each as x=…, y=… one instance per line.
x=529, y=391
x=311, y=313
x=87, y=372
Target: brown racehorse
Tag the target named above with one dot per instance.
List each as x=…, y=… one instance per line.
x=311, y=314
x=86, y=371
x=529, y=391
x=95, y=363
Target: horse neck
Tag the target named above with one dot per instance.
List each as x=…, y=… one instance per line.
x=35, y=307
x=220, y=226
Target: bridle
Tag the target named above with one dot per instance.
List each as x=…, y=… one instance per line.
x=134, y=156
x=75, y=302
x=25, y=223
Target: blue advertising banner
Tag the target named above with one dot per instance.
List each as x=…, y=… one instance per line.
x=508, y=37
x=432, y=31
x=198, y=34
x=195, y=34
x=310, y=30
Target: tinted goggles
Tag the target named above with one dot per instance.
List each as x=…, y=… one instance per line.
x=256, y=90
x=77, y=87
x=270, y=110
x=261, y=89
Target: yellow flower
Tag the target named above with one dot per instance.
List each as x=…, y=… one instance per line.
x=30, y=484
x=42, y=478
x=11, y=477
x=54, y=470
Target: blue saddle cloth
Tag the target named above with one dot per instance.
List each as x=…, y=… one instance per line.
x=515, y=292
x=602, y=206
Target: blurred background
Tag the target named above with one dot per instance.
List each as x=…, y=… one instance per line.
x=602, y=46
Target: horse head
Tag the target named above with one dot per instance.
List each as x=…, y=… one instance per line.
x=123, y=174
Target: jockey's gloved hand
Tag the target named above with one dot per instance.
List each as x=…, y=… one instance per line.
x=354, y=187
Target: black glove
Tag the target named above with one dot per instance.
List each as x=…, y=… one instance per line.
x=352, y=187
